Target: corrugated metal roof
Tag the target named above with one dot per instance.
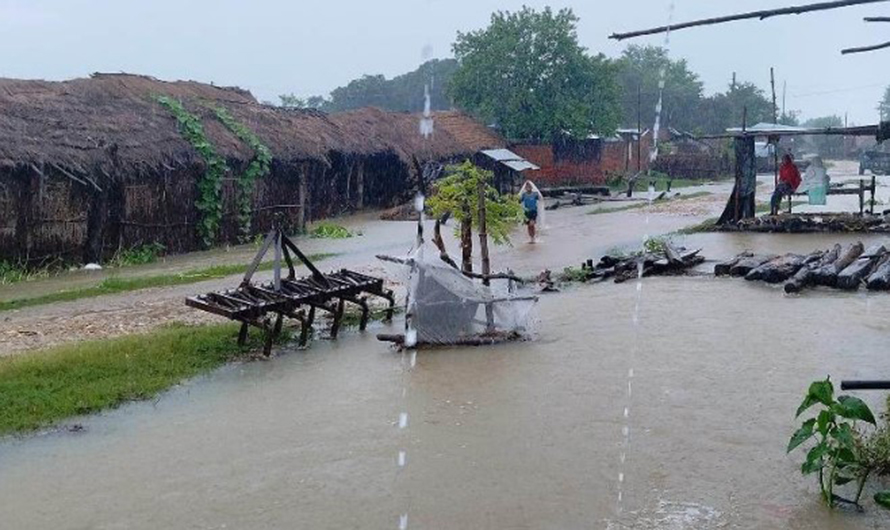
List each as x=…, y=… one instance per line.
x=519, y=165
x=509, y=159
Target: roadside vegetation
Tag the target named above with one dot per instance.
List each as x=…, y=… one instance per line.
x=328, y=230
x=42, y=388
x=644, y=204
x=842, y=454
x=115, y=284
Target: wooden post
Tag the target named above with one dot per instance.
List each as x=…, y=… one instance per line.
x=304, y=191
x=466, y=238
x=483, y=234
x=483, y=251
x=360, y=186
x=639, y=127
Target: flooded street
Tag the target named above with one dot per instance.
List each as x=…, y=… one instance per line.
x=667, y=409
x=519, y=436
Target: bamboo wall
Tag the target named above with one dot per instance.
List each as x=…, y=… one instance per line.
x=51, y=216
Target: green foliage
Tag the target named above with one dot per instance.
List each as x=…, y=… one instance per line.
x=573, y=274
x=826, y=146
x=327, y=230
x=15, y=272
x=639, y=75
x=837, y=454
x=458, y=193
x=401, y=93
x=724, y=110
x=42, y=388
x=527, y=73
x=209, y=202
x=140, y=255
x=291, y=101
x=115, y=284
x=257, y=169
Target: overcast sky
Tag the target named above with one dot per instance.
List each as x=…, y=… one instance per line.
x=312, y=46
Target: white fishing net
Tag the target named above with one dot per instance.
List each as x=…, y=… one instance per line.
x=445, y=307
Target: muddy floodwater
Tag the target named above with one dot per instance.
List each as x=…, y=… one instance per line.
x=666, y=404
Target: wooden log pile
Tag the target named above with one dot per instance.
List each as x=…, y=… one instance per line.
x=808, y=223
x=847, y=268
x=666, y=262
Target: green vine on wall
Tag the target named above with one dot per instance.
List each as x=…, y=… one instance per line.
x=258, y=167
x=209, y=201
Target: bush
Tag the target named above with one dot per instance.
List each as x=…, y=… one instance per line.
x=329, y=231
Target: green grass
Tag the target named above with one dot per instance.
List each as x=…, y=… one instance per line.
x=708, y=225
x=326, y=230
x=114, y=284
x=41, y=388
x=764, y=207
x=642, y=183
x=643, y=204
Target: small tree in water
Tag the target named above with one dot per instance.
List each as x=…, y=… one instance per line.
x=458, y=193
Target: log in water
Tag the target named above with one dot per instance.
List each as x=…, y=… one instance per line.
x=827, y=275
x=855, y=273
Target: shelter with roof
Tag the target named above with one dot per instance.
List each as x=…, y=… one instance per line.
x=91, y=165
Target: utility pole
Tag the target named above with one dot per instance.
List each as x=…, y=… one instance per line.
x=640, y=127
x=774, y=139
x=732, y=86
x=784, y=92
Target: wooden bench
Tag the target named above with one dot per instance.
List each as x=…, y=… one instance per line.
x=860, y=191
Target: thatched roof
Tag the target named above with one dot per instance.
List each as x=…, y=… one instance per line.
x=112, y=122
x=370, y=130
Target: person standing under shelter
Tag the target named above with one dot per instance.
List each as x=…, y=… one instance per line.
x=789, y=180
x=531, y=198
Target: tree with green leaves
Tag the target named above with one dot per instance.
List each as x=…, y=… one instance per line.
x=639, y=74
x=527, y=73
x=728, y=109
x=826, y=146
x=457, y=194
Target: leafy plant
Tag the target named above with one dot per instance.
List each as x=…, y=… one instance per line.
x=326, y=230
x=140, y=255
x=209, y=201
x=258, y=167
x=16, y=272
x=573, y=274
x=838, y=454
x=458, y=193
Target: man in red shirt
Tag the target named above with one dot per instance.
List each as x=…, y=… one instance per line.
x=789, y=180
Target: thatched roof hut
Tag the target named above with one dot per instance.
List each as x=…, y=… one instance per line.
x=99, y=164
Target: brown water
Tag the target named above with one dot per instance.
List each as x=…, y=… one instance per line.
x=521, y=436
x=693, y=380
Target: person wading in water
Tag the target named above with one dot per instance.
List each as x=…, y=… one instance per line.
x=531, y=198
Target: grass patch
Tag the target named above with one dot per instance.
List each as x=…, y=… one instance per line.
x=325, y=230
x=643, y=204
x=708, y=225
x=11, y=272
x=764, y=207
x=114, y=284
x=39, y=389
x=141, y=255
x=661, y=183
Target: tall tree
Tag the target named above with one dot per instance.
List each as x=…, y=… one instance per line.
x=826, y=146
x=728, y=109
x=401, y=93
x=884, y=105
x=639, y=74
x=527, y=73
